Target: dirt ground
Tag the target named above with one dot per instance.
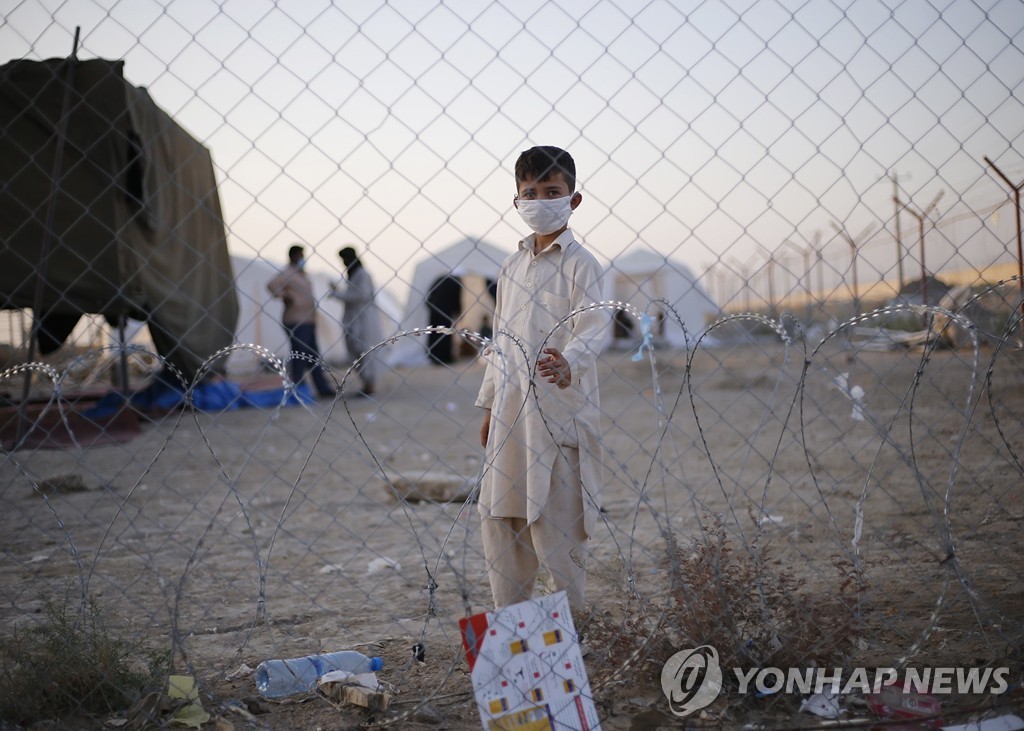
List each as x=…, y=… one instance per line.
x=884, y=487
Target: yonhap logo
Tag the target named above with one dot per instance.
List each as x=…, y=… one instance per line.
x=691, y=679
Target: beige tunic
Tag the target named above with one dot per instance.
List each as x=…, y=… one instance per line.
x=535, y=293
x=361, y=321
x=293, y=287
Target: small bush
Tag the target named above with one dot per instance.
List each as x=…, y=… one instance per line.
x=752, y=615
x=72, y=664
x=753, y=612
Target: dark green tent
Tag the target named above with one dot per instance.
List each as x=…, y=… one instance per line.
x=112, y=211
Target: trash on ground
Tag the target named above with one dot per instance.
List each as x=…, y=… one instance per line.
x=526, y=666
x=279, y=678
x=357, y=689
x=825, y=705
x=382, y=562
x=192, y=713
x=897, y=701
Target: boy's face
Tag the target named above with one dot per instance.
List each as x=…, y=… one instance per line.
x=553, y=187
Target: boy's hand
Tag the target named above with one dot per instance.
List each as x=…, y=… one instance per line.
x=485, y=428
x=555, y=368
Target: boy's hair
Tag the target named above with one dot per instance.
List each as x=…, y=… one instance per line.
x=540, y=163
x=295, y=253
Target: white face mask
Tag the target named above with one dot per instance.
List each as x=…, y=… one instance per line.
x=546, y=216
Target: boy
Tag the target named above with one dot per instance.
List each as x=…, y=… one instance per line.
x=538, y=500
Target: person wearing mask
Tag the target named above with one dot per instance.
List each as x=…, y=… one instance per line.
x=292, y=286
x=541, y=417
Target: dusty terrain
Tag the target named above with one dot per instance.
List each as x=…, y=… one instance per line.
x=248, y=534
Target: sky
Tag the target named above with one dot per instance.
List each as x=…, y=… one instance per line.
x=712, y=132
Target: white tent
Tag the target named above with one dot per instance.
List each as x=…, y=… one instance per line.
x=642, y=276
x=467, y=258
x=259, y=316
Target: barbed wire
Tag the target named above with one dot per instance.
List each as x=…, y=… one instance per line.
x=801, y=467
x=641, y=592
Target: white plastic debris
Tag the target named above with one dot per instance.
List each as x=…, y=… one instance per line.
x=825, y=705
x=242, y=671
x=363, y=680
x=857, y=394
x=854, y=393
x=382, y=562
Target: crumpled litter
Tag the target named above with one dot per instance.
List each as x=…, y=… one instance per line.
x=382, y=562
x=364, y=680
x=825, y=705
x=192, y=713
x=242, y=671
x=854, y=393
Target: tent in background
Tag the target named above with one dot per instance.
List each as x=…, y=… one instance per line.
x=642, y=276
x=477, y=264
x=259, y=317
x=135, y=229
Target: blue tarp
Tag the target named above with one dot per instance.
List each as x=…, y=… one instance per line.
x=161, y=396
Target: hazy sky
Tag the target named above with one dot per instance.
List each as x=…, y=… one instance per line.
x=702, y=129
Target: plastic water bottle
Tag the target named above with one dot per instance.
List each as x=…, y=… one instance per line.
x=278, y=678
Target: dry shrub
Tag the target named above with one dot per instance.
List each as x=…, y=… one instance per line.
x=626, y=644
x=754, y=614
x=626, y=648
x=71, y=664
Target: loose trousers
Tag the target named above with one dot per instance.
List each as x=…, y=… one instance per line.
x=302, y=337
x=515, y=549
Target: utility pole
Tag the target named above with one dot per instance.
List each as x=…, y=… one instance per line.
x=744, y=275
x=899, y=241
x=746, y=288
x=1020, y=247
x=816, y=248
x=854, y=245
x=921, y=217
x=771, y=286
x=715, y=283
x=805, y=278
x=821, y=275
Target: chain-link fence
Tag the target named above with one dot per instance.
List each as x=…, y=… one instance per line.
x=807, y=222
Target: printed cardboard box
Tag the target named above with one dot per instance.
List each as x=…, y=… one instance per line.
x=527, y=668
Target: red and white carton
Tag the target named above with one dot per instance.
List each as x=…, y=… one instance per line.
x=900, y=701
x=527, y=668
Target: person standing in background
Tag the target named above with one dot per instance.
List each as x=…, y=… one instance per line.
x=292, y=286
x=444, y=306
x=361, y=319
